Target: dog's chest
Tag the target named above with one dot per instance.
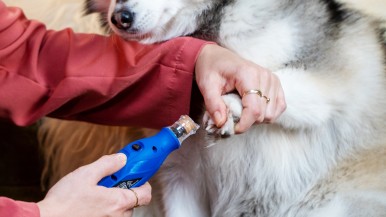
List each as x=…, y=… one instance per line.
x=247, y=177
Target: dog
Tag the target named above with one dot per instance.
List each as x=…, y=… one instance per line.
x=314, y=159
x=326, y=154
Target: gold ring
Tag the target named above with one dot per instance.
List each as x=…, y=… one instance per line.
x=136, y=197
x=267, y=99
x=252, y=91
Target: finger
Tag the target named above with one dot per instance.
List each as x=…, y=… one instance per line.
x=281, y=104
x=215, y=105
x=271, y=108
x=122, y=201
x=128, y=213
x=266, y=91
x=143, y=193
x=271, y=102
x=254, y=106
x=104, y=166
x=246, y=121
x=251, y=112
x=134, y=197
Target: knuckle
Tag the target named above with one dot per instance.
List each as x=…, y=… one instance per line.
x=82, y=171
x=243, y=69
x=256, y=112
x=275, y=77
x=282, y=105
x=258, y=115
x=241, y=129
x=260, y=119
x=147, y=198
x=269, y=118
x=250, y=67
x=148, y=187
x=123, y=199
x=266, y=72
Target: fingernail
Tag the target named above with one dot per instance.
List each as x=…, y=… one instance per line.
x=217, y=117
x=237, y=128
x=122, y=157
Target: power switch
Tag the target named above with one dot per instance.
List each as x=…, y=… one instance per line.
x=136, y=147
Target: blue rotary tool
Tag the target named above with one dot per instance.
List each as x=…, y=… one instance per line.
x=145, y=156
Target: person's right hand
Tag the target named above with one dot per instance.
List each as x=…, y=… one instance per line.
x=78, y=194
x=220, y=71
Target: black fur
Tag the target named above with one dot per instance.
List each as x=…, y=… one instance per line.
x=336, y=10
x=89, y=7
x=209, y=22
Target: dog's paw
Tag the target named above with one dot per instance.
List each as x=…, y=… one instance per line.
x=234, y=109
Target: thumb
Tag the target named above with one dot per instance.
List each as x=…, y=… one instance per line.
x=105, y=166
x=215, y=106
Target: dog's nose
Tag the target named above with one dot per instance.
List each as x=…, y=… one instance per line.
x=122, y=19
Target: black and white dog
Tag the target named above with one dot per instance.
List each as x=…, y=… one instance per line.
x=325, y=156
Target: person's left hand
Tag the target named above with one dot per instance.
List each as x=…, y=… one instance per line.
x=77, y=194
x=219, y=71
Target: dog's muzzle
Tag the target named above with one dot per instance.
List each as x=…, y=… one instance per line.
x=122, y=19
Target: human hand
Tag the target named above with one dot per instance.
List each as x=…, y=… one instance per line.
x=220, y=71
x=78, y=194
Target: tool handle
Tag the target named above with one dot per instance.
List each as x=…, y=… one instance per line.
x=144, y=158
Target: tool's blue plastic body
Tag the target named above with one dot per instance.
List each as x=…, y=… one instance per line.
x=144, y=158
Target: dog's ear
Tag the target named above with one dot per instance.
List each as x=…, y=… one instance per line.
x=101, y=7
x=96, y=6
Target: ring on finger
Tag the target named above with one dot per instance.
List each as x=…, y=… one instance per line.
x=136, y=197
x=253, y=91
x=267, y=99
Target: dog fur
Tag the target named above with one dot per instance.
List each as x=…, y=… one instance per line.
x=331, y=65
x=325, y=156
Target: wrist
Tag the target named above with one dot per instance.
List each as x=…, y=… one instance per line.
x=45, y=211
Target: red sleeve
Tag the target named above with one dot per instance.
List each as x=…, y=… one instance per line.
x=12, y=208
x=91, y=77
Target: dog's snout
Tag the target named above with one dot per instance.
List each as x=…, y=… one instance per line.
x=122, y=19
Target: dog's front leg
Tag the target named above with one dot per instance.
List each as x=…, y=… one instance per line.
x=309, y=97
